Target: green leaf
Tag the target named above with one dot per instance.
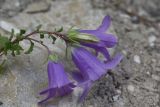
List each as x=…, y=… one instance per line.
x=19, y=36
x=53, y=38
x=16, y=47
x=3, y=41
x=13, y=47
x=30, y=48
x=38, y=27
x=12, y=34
x=41, y=35
x=22, y=31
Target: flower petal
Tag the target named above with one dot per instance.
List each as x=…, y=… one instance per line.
x=114, y=62
x=51, y=94
x=44, y=91
x=78, y=77
x=98, y=49
x=86, y=87
x=57, y=75
x=105, y=52
x=108, y=40
x=65, y=90
x=88, y=64
x=85, y=84
x=44, y=100
x=105, y=24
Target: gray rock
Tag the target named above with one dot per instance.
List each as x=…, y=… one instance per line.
x=9, y=9
x=137, y=84
x=6, y=26
x=38, y=7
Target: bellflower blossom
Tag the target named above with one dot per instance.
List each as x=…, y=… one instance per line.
x=106, y=40
x=59, y=84
x=91, y=68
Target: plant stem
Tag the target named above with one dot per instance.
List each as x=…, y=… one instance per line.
x=39, y=43
x=62, y=36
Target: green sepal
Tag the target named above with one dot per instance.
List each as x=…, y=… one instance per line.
x=86, y=38
x=76, y=36
x=53, y=57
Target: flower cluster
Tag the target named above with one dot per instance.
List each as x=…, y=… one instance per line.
x=90, y=67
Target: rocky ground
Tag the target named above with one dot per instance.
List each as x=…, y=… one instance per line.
x=134, y=83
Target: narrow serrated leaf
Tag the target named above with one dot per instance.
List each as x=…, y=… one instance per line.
x=3, y=41
x=30, y=48
x=41, y=35
x=12, y=34
x=22, y=31
x=53, y=39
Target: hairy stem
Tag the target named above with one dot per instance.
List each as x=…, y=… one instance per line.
x=62, y=36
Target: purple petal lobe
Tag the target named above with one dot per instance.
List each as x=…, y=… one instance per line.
x=105, y=52
x=78, y=77
x=86, y=88
x=114, y=62
x=105, y=24
x=108, y=40
x=44, y=100
x=44, y=91
x=98, y=49
x=51, y=94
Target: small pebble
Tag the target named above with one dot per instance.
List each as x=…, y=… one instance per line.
x=137, y=59
x=148, y=73
x=115, y=98
x=118, y=91
x=135, y=19
x=124, y=52
x=77, y=91
x=156, y=77
x=130, y=88
x=151, y=40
